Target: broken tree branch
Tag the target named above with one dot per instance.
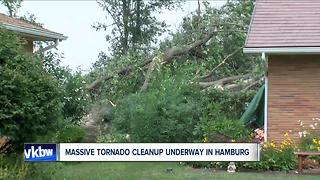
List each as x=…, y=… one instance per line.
x=221, y=63
x=148, y=74
x=93, y=86
x=167, y=57
x=174, y=52
x=223, y=81
x=238, y=86
x=254, y=83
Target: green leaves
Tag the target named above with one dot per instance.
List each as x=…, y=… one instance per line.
x=30, y=104
x=275, y=159
x=12, y=5
x=134, y=27
x=70, y=134
x=165, y=113
x=223, y=130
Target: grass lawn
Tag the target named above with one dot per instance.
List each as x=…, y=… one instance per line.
x=156, y=170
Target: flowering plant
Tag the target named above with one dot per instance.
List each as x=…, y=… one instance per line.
x=274, y=156
x=310, y=137
x=259, y=135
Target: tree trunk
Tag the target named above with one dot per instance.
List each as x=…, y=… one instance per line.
x=125, y=19
x=137, y=33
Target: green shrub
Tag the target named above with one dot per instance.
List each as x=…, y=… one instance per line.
x=224, y=130
x=12, y=166
x=273, y=158
x=311, y=142
x=70, y=134
x=166, y=113
x=214, y=127
x=276, y=157
x=29, y=97
x=310, y=138
x=231, y=104
x=75, y=98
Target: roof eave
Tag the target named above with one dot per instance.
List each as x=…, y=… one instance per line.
x=34, y=32
x=282, y=50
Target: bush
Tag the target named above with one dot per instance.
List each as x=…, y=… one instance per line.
x=276, y=157
x=224, y=130
x=310, y=138
x=29, y=97
x=215, y=124
x=273, y=157
x=167, y=113
x=75, y=98
x=70, y=134
x=311, y=142
x=231, y=104
x=13, y=167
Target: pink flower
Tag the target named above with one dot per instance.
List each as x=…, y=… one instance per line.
x=259, y=135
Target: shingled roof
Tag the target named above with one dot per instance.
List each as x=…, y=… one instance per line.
x=285, y=24
x=28, y=29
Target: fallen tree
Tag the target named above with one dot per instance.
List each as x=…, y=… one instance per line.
x=170, y=55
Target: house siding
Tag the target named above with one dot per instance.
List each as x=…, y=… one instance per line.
x=29, y=46
x=293, y=94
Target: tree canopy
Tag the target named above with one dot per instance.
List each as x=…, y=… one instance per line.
x=134, y=26
x=207, y=49
x=12, y=6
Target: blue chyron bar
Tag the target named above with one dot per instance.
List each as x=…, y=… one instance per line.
x=40, y=152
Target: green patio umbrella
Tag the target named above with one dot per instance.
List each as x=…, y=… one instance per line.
x=254, y=114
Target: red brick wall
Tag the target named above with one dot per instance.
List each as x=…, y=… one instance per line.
x=293, y=94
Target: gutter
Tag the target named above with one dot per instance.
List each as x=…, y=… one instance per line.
x=35, y=32
x=56, y=37
x=283, y=50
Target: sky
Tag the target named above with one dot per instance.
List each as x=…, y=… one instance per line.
x=75, y=19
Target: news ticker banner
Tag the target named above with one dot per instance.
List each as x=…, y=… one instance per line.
x=142, y=152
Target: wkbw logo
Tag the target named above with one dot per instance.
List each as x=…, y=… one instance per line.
x=40, y=152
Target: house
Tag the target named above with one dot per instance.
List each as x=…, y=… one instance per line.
x=287, y=35
x=30, y=32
